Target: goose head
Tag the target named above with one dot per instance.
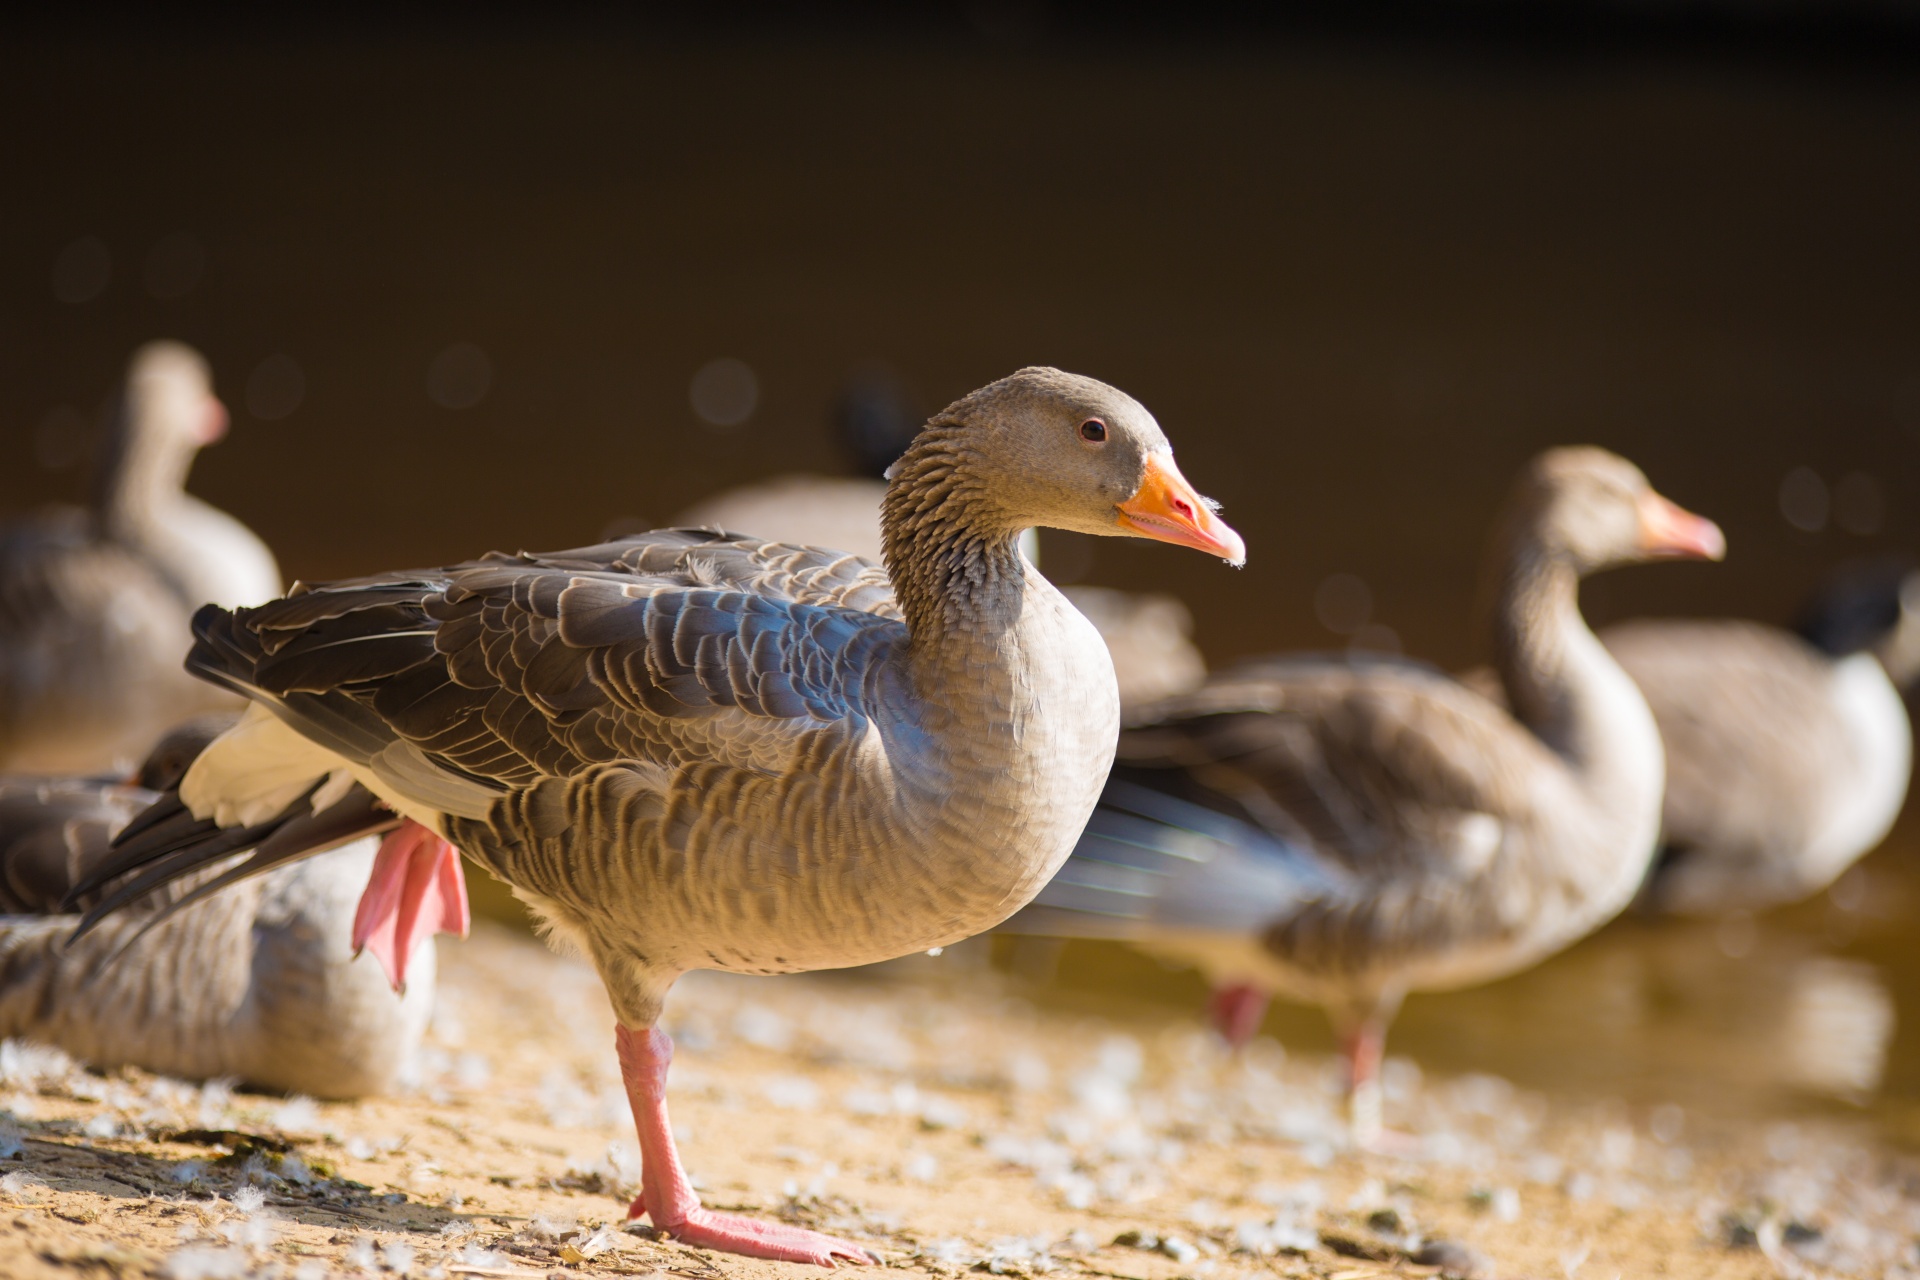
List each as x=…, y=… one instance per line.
x=1043, y=447
x=1586, y=509
x=169, y=399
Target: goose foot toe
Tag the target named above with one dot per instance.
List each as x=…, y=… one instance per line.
x=732, y=1233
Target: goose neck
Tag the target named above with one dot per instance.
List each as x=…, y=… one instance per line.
x=952, y=553
x=1565, y=688
x=140, y=484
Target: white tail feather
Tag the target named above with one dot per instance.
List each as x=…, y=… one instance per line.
x=253, y=771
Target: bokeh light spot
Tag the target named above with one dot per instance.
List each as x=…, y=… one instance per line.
x=1343, y=603
x=275, y=388
x=1804, y=501
x=459, y=376
x=724, y=392
x=1375, y=637
x=175, y=265
x=82, y=271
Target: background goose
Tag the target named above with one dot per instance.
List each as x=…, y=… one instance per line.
x=692, y=750
x=94, y=603
x=1344, y=830
x=1788, y=755
x=1149, y=635
x=256, y=984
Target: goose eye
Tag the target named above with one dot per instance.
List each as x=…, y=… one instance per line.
x=1093, y=431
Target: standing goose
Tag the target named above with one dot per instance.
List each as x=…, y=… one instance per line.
x=255, y=984
x=689, y=750
x=94, y=604
x=1344, y=830
x=1788, y=755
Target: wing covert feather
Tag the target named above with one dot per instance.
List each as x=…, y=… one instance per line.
x=510, y=668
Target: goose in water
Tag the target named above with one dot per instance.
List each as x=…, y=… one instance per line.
x=1788, y=754
x=1341, y=831
x=1149, y=636
x=256, y=984
x=692, y=750
x=94, y=603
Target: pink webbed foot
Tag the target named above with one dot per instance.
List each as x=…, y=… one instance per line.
x=755, y=1238
x=417, y=889
x=666, y=1195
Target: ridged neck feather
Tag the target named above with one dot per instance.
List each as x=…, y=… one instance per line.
x=951, y=550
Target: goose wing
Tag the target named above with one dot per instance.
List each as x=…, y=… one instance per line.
x=1335, y=811
x=453, y=688
x=670, y=648
x=1387, y=770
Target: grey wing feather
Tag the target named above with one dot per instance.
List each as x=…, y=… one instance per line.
x=1386, y=769
x=1150, y=862
x=502, y=670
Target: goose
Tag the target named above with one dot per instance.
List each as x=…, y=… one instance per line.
x=1788, y=755
x=1149, y=635
x=94, y=603
x=254, y=985
x=1344, y=830
x=693, y=750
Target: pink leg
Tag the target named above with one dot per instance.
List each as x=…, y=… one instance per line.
x=1363, y=1044
x=667, y=1198
x=1237, y=1011
x=417, y=890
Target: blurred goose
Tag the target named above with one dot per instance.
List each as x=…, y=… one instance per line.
x=1344, y=830
x=1787, y=755
x=691, y=750
x=1149, y=636
x=94, y=603
x=255, y=984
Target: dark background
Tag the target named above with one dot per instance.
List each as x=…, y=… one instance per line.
x=1360, y=260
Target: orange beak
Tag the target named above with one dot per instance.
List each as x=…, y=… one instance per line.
x=1167, y=509
x=213, y=421
x=1667, y=530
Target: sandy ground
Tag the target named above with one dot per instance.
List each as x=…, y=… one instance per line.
x=926, y=1108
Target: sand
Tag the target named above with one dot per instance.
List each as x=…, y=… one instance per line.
x=925, y=1107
